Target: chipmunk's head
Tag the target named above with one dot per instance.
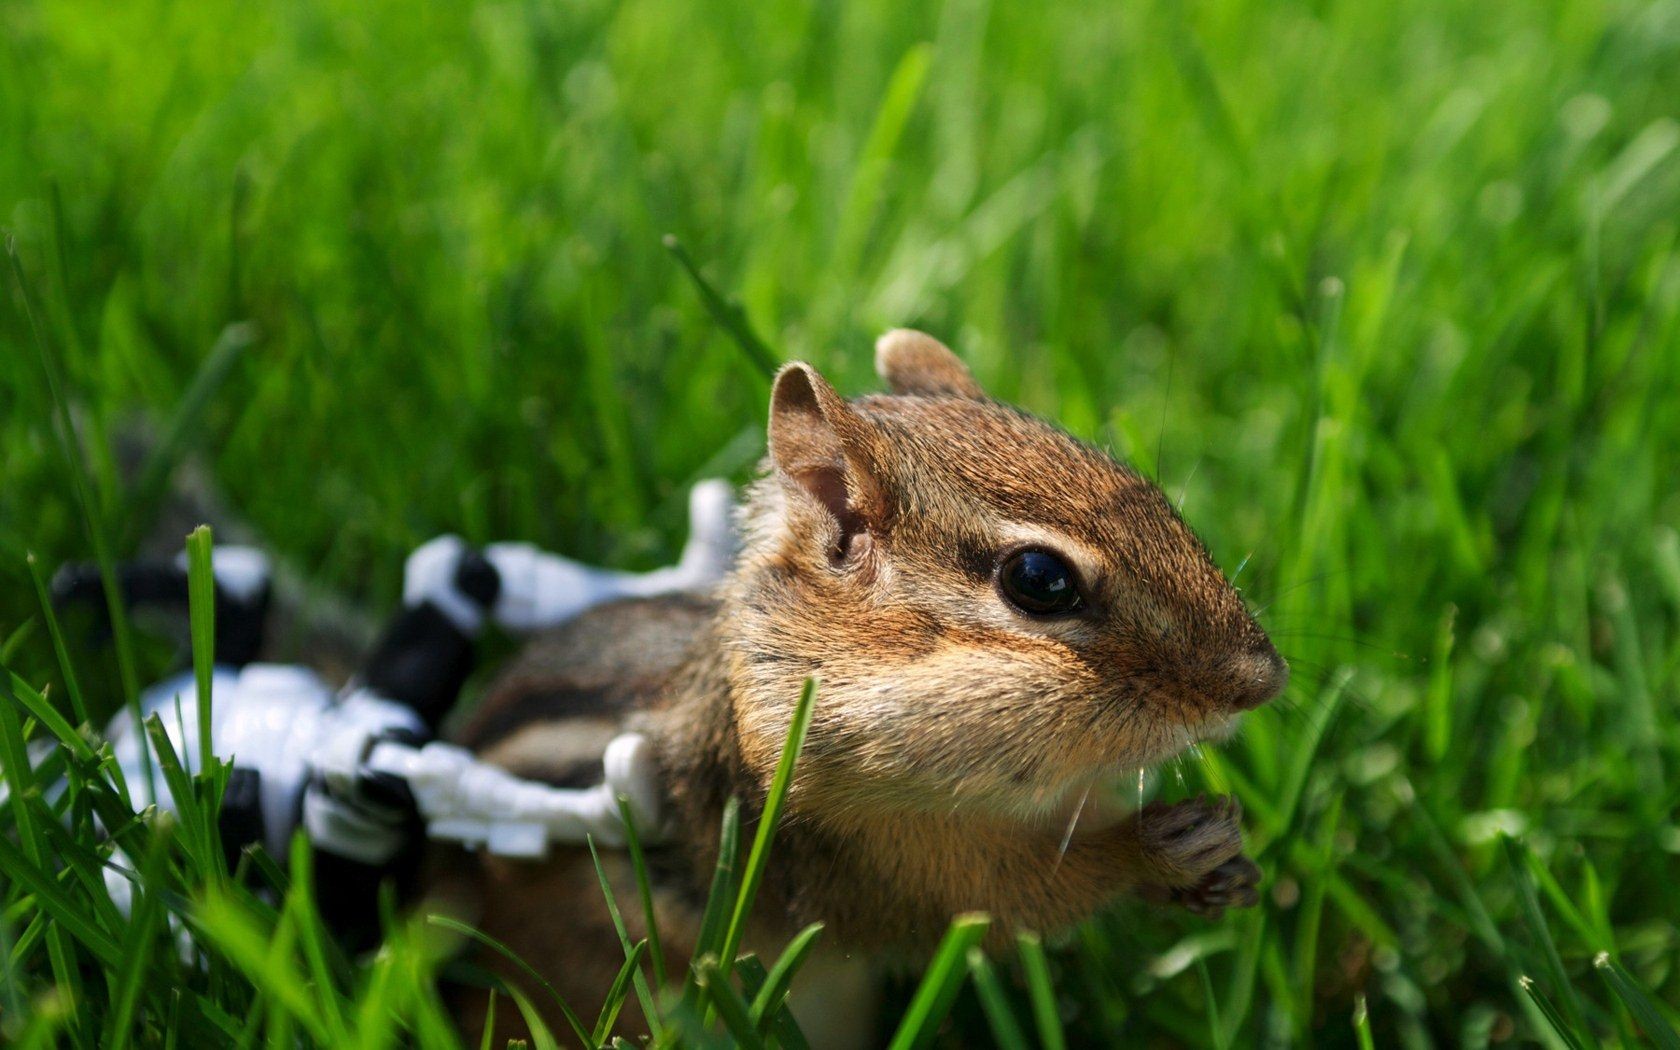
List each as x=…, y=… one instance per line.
x=996, y=612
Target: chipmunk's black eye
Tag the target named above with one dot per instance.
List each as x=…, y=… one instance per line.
x=1038, y=582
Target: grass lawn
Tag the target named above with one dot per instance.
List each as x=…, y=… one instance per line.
x=1388, y=294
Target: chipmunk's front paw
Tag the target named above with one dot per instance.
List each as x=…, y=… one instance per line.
x=1195, y=850
x=1234, y=884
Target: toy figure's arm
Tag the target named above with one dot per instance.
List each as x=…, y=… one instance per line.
x=450, y=590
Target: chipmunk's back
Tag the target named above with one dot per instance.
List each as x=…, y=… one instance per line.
x=548, y=715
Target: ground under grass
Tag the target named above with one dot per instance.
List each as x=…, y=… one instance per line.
x=1388, y=294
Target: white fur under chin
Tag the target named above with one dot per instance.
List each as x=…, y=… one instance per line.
x=1098, y=800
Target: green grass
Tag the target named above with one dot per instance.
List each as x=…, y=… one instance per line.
x=1388, y=294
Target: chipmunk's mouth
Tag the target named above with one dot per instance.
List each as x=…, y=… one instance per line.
x=1216, y=729
x=1095, y=796
x=1096, y=800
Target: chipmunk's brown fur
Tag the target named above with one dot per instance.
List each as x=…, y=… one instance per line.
x=953, y=734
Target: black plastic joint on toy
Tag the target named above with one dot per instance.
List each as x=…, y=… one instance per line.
x=476, y=578
x=240, y=820
x=157, y=584
x=422, y=661
x=386, y=790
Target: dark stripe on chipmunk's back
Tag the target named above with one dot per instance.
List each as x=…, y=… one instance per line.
x=606, y=664
x=504, y=714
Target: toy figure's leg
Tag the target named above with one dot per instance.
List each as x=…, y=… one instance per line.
x=450, y=590
x=542, y=590
x=243, y=594
x=426, y=652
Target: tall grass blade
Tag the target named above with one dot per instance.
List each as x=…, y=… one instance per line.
x=1037, y=968
x=66, y=669
x=541, y=1037
x=148, y=492
x=1362, y=1023
x=1649, y=1016
x=1006, y=1031
x=731, y=1008
x=774, y=801
x=1516, y=858
x=644, y=887
x=32, y=865
x=1565, y=1032
x=728, y=313
x=714, y=920
x=642, y=992
x=572, y=1021
x=620, y=988
x=770, y=999
x=778, y=1026
x=940, y=984
x=92, y=517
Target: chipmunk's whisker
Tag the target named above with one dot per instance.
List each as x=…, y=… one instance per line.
x=1073, y=822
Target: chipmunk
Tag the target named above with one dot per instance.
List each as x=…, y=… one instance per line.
x=998, y=616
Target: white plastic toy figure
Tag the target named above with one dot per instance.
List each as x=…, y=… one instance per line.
x=358, y=769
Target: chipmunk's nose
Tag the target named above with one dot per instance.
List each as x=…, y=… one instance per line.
x=1256, y=675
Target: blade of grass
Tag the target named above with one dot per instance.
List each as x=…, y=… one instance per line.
x=182, y=791
x=863, y=197
x=66, y=669
x=728, y=1003
x=201, y=615
x=80, y=475
x=715, y=917
x=301, y=914
x=1362, y=1023
x=212, y=776
x=148, y=492
x=1211, y=1005
x=769, y=999
x=1438, y=700
x=265, y=958
x=1560, y=1027
x=488, y=1034
x=15, y=690
x=1037, y=969
x=447, y=923
x=644, y=887
x=780, y=782
x=143, y=928
x=1006, y=1032
x=1305, y=752
x=1639, y=1003
x=540, y=1035
x=728, y=313
x=940, y=983
x=14, y=641
x=780, y=1027
x=642, y=991
x=1517, y=857
x=1310, y=914
x=34, y=865
x=620, y=988
x=1564, y=905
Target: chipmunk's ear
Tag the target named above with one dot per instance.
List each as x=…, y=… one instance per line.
x=821, y=445
x=912, y=362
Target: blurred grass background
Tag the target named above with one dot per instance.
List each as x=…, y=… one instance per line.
x=1388, y=293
